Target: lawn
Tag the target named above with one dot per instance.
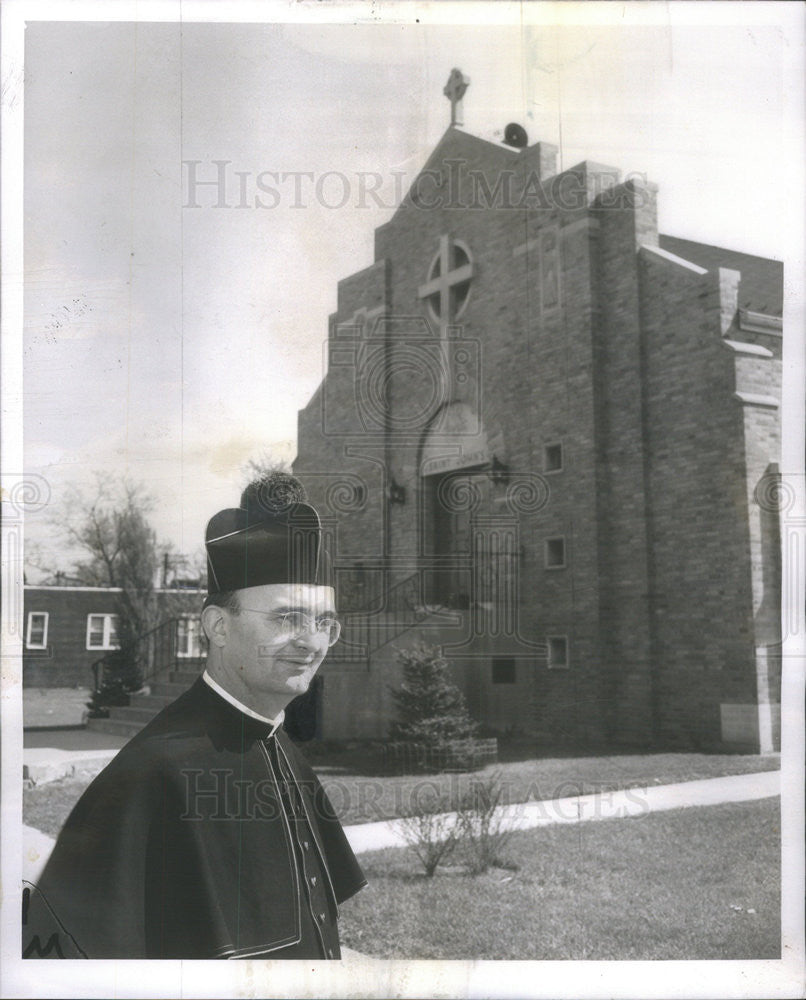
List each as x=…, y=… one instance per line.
x=700, y=883
x=361, y=797
x=46, y=807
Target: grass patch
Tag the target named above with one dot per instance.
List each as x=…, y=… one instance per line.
x=674, y=885
x=361, y=797
x=46, y=807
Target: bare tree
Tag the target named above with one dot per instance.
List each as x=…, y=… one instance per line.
x=180, y=570
x=104, y=523
x=109, y=525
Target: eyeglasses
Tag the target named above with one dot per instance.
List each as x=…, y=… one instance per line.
x=291, y=623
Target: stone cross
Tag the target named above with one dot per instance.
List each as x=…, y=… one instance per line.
x=446, y=278
x=454, y=90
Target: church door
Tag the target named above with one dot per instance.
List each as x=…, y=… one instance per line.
x=454, y=462
x=452, y=526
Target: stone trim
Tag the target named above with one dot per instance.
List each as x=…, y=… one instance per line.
x=674, y=259
x=534, y=243
x=752, y=399
x=742, y=348
x=755, y=322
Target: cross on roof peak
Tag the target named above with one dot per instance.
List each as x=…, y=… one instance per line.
x=454, y=90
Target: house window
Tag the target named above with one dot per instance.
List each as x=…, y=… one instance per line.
x=36, y=636
x=503, y=671
x=555, y=553
x=557, y=652
x=553, y=458
x=188, y=638
x=102, y=632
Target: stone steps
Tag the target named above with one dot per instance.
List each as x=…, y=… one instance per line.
x=383, y=629
x=128, y=720
x=120, y=727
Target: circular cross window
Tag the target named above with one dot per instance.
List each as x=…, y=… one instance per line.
x=449, y=282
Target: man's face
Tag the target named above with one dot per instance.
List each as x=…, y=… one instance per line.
x=268, y=661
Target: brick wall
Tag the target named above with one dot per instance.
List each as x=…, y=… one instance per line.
x=66, y=662
x=572, y=335
x=625, y=217
x=705, y=452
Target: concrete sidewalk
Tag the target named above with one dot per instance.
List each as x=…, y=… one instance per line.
x=49, y=707
x=43, y=764
x=527, y=815
x=600, y=805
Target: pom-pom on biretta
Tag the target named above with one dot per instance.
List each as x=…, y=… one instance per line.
x=273, y=492
x=273, y=537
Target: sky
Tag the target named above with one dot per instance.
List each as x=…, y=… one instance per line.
x=173, y=328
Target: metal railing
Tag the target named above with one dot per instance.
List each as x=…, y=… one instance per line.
x=364, y=632
x=157, y=651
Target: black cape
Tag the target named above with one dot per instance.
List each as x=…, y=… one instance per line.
x=180, y=847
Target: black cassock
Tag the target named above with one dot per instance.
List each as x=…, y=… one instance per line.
x=204, y=838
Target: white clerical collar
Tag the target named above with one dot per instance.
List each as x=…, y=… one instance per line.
x=275, y=723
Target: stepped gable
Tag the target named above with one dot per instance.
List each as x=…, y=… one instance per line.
x=445, y=180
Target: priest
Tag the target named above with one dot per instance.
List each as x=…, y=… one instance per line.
x=208, y=835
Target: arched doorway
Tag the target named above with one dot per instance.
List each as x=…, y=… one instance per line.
x=454, y=461
x=455, y=497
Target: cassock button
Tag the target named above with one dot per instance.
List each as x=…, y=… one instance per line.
x=313, y=880
x=305, y=844
x=321, y=918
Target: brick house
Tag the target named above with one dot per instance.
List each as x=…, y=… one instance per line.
x=67, y=629
x=547, y=439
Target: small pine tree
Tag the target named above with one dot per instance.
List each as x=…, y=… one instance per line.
x=430, y=708
x=120, y=676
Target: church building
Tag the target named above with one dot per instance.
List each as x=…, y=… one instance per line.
x=547, y=440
